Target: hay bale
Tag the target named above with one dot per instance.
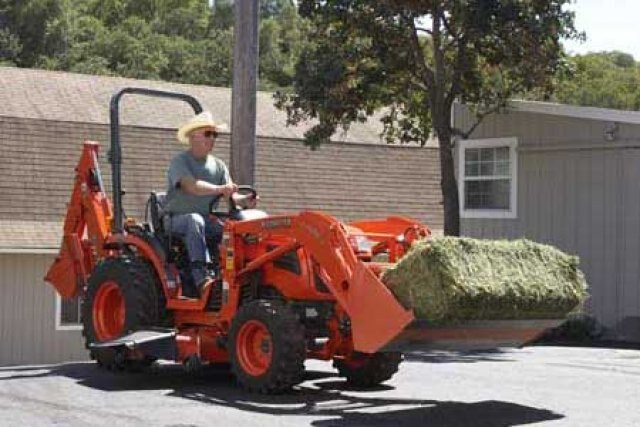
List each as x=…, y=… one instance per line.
x=450, y=279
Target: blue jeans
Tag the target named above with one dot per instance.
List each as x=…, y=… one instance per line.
x=194, y=229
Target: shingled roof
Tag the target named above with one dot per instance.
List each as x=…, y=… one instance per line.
x=45, y=116
x=69, y=97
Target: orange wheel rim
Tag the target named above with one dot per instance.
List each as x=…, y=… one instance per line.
x=254, y=348
x=108, y=311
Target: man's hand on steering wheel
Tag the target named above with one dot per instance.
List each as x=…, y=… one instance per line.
x=247, y=201
x=243, y=196
x=228, y=190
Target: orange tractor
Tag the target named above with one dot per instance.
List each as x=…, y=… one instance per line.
x=291, y=287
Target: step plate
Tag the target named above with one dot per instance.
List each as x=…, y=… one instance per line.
x=159, y=343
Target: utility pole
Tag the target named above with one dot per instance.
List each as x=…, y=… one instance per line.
x=243, y=103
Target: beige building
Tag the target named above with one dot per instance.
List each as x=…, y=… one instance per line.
x=45, y=116
x=568, y=176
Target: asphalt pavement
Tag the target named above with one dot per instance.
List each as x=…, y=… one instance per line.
x=548, y=386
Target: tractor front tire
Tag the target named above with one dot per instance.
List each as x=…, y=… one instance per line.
x=267, y=347
x=368, y=370
x=123, y=294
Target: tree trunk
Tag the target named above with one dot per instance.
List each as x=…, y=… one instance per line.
x=449, y=187
x=441, y=115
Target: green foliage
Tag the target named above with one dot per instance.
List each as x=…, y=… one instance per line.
x=26, y=21
x=222, y=15
x=282, y=39
x=10, y=47
x=417, y=57
x=274, y=8
x=606, y=79
x=189, y=41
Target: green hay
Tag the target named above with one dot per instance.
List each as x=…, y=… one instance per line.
x=449, y=279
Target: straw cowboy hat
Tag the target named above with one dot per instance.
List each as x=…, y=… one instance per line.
x=202, y=120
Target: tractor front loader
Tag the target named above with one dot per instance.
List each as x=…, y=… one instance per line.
x=291, y=287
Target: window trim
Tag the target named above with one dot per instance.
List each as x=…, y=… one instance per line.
x=59, y=325
x=512, y=143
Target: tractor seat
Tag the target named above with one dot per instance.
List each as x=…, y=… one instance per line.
x=155, y=206
x=157, y=216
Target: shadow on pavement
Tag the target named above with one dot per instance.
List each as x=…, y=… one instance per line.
x=437, y=356
x=322, y=394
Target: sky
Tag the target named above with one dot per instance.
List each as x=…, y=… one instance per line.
x=609, y=25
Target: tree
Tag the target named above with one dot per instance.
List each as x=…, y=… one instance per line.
x=273, y=8
x=222, y=15
x=414, y=58
x=23, y=27
x=10, y=46
x=605, y=79
x=282, y=39
x=187, y=41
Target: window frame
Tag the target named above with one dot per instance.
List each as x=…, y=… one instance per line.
x=463, y=145
x=58, y=313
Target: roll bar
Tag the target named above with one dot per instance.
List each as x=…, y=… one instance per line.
x=116, y=151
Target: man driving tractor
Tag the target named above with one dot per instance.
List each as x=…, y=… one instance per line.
x=294, y=286
x=196, y=180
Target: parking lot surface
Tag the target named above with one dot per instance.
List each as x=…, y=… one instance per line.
x=552, y=386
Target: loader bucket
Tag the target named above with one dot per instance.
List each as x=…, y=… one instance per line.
x=471, y=335
x=381, y=323
x=376, y=316
x=458, y=334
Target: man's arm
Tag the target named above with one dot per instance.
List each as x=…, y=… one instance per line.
x=198, y=187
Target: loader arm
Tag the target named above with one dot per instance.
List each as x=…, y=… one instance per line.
x=86, y=227
x=376, y=316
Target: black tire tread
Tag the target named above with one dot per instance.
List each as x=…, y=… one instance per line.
x=375, y=370
x=144, y=299
x=288, y=343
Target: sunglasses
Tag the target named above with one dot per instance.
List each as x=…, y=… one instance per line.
x=211, y=134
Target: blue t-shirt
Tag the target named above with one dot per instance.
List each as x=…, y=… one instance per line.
x=210, y=169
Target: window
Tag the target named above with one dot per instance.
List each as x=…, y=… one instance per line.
x=68, y=314
x=487, y=178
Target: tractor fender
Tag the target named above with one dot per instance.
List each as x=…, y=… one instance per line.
x=152, y=253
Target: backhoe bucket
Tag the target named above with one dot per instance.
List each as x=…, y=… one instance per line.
x=67, y=274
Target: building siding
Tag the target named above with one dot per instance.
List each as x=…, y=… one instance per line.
x=580, y=193
x=27, y=315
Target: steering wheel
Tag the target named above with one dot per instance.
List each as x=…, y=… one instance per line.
x=231, y=204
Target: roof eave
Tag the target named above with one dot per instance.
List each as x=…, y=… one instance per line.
x=590, y=113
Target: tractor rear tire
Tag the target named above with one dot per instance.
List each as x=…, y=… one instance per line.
x=267, y=347
x=123, y=294
x=364, y=370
